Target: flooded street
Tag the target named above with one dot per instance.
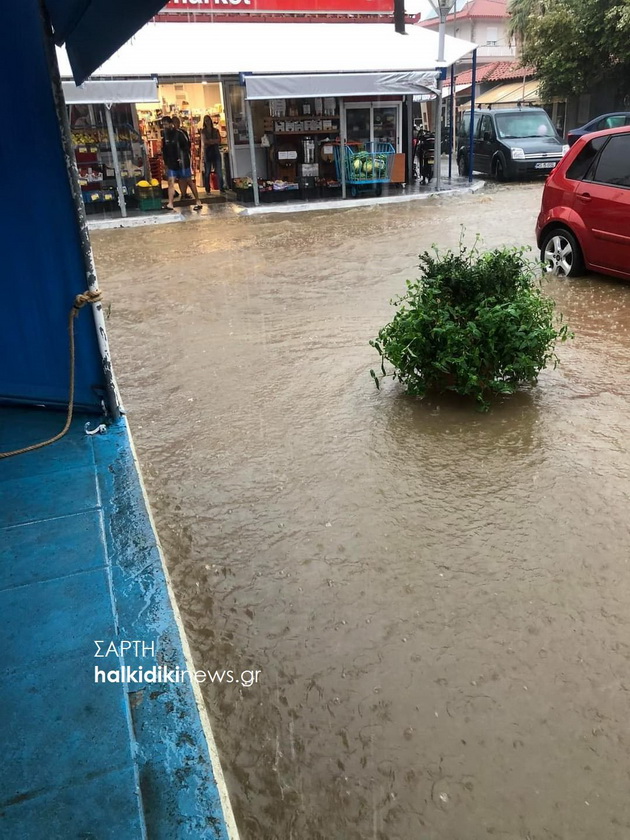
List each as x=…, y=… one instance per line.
x=437, y=599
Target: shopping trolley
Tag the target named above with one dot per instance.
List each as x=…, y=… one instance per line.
x=368, y=167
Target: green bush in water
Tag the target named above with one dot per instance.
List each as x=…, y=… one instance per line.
x=474, y=323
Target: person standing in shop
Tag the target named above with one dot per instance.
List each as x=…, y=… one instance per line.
x=176, y=154
x=211, y=141
x=178, y=125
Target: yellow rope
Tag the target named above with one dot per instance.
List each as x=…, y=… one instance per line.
x=79, y=302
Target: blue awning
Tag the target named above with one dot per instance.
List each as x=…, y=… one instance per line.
x=93, y=30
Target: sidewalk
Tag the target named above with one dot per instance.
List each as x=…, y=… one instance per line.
x=79, y=562
x=217, y=207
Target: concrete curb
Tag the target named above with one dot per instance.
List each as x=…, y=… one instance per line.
x=349, y=204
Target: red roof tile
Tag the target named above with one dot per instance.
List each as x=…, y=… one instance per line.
x=474, y=9
x=497, y=71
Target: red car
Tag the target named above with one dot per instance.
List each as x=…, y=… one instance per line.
x=584, y=219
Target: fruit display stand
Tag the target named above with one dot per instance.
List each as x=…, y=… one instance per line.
x=95, y=163
x=269, y=192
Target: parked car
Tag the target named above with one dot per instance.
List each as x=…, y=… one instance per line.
x=510, y=143
x=616, y=120
x=584, y=220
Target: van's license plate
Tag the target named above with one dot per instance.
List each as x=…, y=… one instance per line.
x=549, y=165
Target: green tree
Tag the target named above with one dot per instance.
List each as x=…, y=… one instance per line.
x=576, y=44
x=521, y=14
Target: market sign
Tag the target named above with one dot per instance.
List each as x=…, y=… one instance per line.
x=308, y=7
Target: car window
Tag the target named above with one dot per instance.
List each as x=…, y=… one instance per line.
x=613, y=165
x=485, y=125
x=584, y=161
x=464, y=127
x=612, y=122
x=525, y=124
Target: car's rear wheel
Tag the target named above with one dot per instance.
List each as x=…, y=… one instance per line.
x=462, y=166
x=561, y=253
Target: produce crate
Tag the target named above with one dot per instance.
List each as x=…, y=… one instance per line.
x=331, y=192
x=275, y=196
x=150, y=203
x=149, y=198
x=245, y=196
x=310, y=193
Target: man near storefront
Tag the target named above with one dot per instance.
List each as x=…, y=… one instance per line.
x=176, y=154
x=211, y=141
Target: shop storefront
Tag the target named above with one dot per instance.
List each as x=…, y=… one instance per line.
x=287, y=136
x=109, y=150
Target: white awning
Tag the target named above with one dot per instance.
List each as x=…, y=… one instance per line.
x=446, y=92
x=110, y=92
x=228, y=49
x=340, y=84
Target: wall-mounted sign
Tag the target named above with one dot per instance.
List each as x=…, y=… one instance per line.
x=304, y=7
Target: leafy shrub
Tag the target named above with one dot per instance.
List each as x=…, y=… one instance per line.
x=474, y=323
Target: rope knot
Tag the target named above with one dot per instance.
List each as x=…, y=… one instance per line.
x=87, y=297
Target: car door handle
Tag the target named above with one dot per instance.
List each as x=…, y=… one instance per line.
x=584, y=196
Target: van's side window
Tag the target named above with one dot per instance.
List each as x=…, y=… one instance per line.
x=580, y=167
x=485, y=126
x=464, y=126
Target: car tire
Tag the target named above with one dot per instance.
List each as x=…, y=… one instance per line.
x=561, y=253
x=499, y=169
x=462, y=166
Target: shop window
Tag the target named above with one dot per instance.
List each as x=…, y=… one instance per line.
x=260, y=110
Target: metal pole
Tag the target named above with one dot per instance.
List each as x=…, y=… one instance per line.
x=252, y=150
x=112, y=396
x=442, y=34
x=453, y=93
x=471, y=137
x=399, y=16
x=342, y=147
x=438, y=120
x=438, y=138
x=452, y=124
x=409, y=140
x=112, y=146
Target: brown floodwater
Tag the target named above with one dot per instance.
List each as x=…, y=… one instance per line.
x=438, y=600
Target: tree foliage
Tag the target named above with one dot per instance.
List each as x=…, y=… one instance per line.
x=474, y=323
x=574, y=44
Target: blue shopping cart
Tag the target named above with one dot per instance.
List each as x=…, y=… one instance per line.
x=369, y=167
